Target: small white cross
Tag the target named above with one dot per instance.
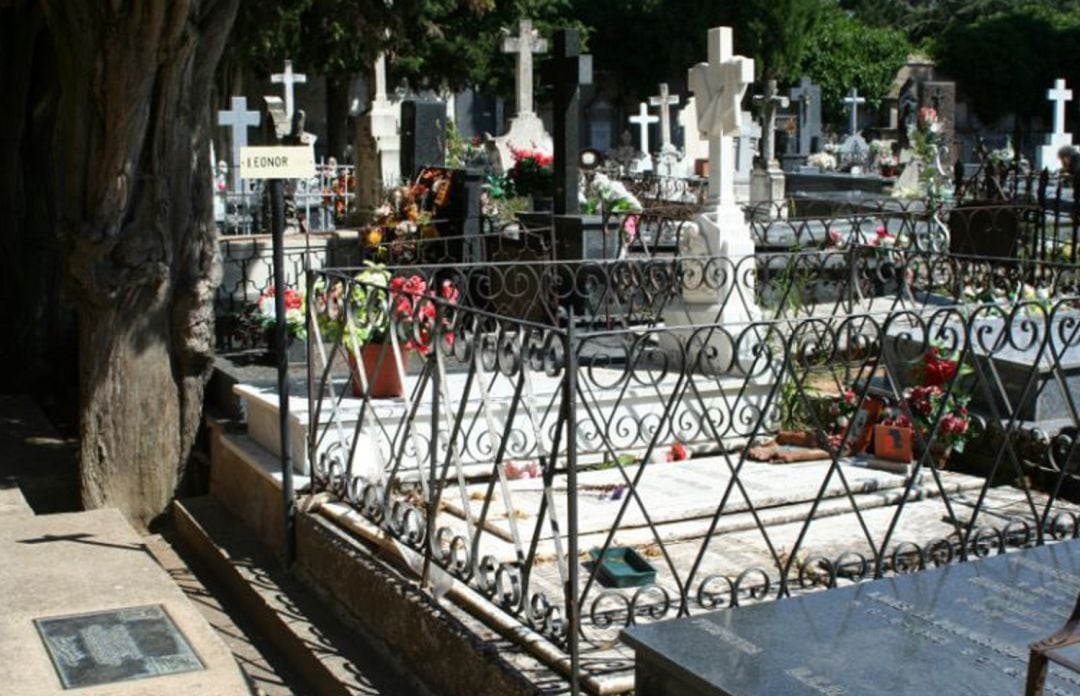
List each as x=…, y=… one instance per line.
x=1059, y=95
x=525, y=44
x=853, y=100
x=643, y=120
x=288, y=79
x=238, y=119
x=665, y=100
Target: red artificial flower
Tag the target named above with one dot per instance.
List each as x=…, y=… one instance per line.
x=677, y=453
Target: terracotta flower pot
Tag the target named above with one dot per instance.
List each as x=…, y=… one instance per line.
x=383, y=379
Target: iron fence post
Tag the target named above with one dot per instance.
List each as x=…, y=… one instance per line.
x=288, y=497
x=573, y=610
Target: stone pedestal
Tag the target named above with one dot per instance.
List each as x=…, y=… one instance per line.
x=767, y=192
x=718, y=291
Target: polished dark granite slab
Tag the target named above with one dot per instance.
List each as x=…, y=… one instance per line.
x=962, y=629
x=115, y=646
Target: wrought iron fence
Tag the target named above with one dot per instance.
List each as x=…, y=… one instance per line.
x=522, y=451
x=319, y=204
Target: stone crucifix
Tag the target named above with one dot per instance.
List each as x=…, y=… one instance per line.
x=288, y=79
x=525, y=44
x=852, y=100
x=664, y=101
x=718, y=88
x=769, y=103
x=238, y=119
x=643, y=120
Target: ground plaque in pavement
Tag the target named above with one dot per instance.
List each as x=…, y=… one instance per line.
x=962, y=629
x=114, y=646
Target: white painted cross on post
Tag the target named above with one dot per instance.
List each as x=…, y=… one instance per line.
x=525, y=44
x=664, y=101
x=853, y=100
x=643, y=120
x=238, y=119
x=718, y=88
x=288, y=79
x=1059, y=95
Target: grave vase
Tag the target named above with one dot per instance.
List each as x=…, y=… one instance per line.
x=384, y=381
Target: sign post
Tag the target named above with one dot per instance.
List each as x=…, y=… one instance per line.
x=275, y=164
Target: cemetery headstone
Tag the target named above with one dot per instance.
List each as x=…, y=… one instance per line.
x=288, y=80
x=807, y=98
x=238, y=119
x=854, y=151
x=695, y=147
x=423, y=135
x=643, y=120
x=927, y=632
x=852, y=102
x=1059, y=95
x=767, y=180
x=668, y=157
x=569, y=71
x=941, y=96
x=526, y=129
x=385, y=121
x=746, y=147
x=721, y=230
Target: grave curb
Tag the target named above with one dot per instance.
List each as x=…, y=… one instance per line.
x=251, y=575
x=435, y=643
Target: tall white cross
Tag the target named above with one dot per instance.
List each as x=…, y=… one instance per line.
x=643, y=120
x=853, y=100
x=525, y=44
x=718, y=88
x=238, y=119
x=288, y=79
x=664, y=101
x=1059, y=95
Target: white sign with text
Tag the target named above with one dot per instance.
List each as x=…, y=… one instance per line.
x=281, y=162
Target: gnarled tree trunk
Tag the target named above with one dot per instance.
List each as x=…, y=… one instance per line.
x=134, y=210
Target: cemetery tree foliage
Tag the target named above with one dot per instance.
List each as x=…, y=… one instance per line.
x=119, y=93
x=1004, y=63
x=844, y=53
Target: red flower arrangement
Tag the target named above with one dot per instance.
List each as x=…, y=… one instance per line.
x=677, y=453
x=533, y=173
x=415, y=313
x=936, y=396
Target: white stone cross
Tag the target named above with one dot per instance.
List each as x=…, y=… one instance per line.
x=238, y=119
x=718, y=88
x=664, y=101
x=525, y=44
x=288, y=79
x=853, y=100
x=643, y=120
x=1059, y=95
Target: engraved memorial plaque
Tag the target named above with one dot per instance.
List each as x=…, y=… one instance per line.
x=118, y=645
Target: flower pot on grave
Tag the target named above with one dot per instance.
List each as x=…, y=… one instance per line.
x=701, y=168
x=380, y=369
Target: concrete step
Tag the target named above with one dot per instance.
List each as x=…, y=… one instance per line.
x=331, y=657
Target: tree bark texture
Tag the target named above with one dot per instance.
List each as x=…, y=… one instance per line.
x=134, y=212
x=337, y=116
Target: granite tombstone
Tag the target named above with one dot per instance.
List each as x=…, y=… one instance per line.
x=960, y=629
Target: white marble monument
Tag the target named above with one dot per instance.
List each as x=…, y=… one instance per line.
x=526, y=129
x=1059, y=95
x=667, y=159
x=721, y=231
